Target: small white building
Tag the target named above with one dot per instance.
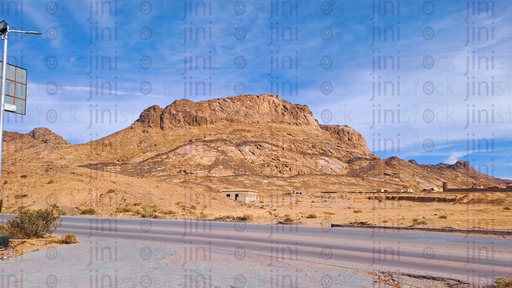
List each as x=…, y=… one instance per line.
x=241, y=195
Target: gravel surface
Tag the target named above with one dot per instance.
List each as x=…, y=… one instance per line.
x=109, y=262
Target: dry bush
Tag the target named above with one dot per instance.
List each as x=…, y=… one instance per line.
x=288, y=219
x=245, y=217
x=20, y=196
x=68, y=239
x=225, y=218
x=65, y=239
x=149, y=212
x=88, y=211
x=4, y=230
x=33, y=223
x=503, y=282
x=417, y=221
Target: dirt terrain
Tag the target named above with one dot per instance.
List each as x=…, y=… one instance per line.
x=173, y=161
x=18, y=247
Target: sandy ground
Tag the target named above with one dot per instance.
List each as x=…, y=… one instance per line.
x=194, y=197
x=490, y=211
x=19, y=247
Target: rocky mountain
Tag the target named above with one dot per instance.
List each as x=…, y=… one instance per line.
x=259, y=135
x=259, y=142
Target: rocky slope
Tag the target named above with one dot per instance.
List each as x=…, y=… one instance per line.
x=259, y=142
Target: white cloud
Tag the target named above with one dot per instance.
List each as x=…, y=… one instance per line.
x=455, y=156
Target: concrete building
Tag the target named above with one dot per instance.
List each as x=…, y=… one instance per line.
x=241, y=195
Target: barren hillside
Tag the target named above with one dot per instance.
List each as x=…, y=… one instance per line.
x=257, y=142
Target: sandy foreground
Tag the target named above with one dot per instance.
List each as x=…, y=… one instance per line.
x=127, y=197
x=338, y=201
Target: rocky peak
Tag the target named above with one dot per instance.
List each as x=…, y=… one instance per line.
x=460, y=164
x=46, y=136
x=348, y=136
x=151, y=116
x=247, y=109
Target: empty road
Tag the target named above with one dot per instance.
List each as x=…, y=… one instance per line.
x=169, y=253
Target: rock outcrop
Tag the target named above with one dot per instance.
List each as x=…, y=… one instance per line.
x=46, y=136
x=348, y=136
x=246, y=109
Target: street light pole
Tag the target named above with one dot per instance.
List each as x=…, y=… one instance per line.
x=2, y=100
x=4, y=30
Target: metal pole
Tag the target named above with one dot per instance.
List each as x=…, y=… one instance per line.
x=2, y=100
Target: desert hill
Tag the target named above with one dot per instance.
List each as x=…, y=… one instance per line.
x=258, y=135
x=257, y=142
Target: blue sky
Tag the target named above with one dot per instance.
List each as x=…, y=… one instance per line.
x=424, y=80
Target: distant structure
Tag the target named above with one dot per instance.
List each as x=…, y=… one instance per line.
x=476, y=189
x=299, y=192
x=328, y=192
x=241, y=195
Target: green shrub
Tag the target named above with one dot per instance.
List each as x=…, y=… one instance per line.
x=33, y=223
x=4, y=230
x=4, y=241
x=358, y=211
x=311, y=216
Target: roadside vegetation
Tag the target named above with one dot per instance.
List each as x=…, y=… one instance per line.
x=503, y=282
x=30, y=224
x=31, y=230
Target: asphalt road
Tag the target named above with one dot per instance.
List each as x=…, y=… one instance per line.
x=168, y=253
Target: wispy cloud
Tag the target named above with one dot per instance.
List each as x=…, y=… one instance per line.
x=455, y=156
x=402, y=79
